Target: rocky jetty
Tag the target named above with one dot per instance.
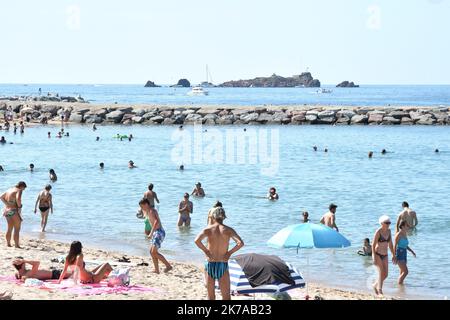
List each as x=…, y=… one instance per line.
x=53, y=98
x=347, y=84
x=223, y=115
x=151, y=84
x=275, y=81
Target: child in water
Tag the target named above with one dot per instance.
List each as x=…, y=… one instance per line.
x=366, y=249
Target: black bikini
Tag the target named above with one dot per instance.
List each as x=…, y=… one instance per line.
x=382, y=239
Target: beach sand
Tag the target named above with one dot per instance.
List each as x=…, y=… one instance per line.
x=184, y=282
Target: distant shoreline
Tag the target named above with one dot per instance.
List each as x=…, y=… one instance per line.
x=157, y=114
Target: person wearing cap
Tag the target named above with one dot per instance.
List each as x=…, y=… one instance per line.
x=382, y=240
x=45, y=202
x=198, y=190
x=407, y=215
x=185, y=209
x=218, y=238
x=329, y=218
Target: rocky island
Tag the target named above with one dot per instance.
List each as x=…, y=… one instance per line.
x=275, y=81
x=347, y=84
x=151, y=84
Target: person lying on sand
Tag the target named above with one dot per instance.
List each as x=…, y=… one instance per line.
x=23, y=273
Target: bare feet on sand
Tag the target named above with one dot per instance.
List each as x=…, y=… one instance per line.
x=167, y=269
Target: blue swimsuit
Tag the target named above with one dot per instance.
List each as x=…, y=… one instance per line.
x=401, y=252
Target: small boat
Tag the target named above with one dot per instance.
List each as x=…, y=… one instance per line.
x=198, y=91
x=323, y=90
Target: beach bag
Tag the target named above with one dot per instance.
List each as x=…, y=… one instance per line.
x=119, y=277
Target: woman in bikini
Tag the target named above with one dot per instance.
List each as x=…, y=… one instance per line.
x=12, y=211
x=44, y=200
x=380, y=244
x=75, y=262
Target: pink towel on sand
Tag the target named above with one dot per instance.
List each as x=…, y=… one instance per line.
x=85, y=289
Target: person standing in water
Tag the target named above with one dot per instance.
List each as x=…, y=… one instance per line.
x=198, y=190
x=382, y=240
x=52, y=175
x=45, y=203
x=407, y=215
x=305, y=215
x=12, y=200
x=329, y=218
x=401, y=248
x=151, y=196
x=217, y=253
x=157, y=235
x=185, y=209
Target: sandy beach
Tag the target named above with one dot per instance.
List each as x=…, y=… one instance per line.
x=185, y=281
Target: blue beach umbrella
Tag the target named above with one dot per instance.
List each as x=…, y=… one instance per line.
x=308, y=235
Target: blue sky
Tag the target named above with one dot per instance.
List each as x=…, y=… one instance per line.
x=97, y=41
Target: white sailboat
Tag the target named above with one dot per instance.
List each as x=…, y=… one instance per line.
x=198, y=91
x=209, y=82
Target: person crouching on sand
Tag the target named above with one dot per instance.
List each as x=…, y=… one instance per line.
x=217, y=254
x=74, y=262
x=35, y=273
x=380, y=244
x=157, y=235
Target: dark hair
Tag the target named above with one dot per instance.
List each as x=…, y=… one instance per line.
x=402, y=224
x=186, y=195
x=150, y=186
x=101, y=164
x=367, y=240
x=75, y=250
x=51, y=171
x=405, y=204
x=31, y=165
x=21, y=184
x=332, y=206
x=274, y=190
x=218, y=204
x=144, y=201
x=48, y=187
x=305, y=213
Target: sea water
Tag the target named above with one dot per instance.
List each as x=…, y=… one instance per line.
x=379, y=95
x=98, y=207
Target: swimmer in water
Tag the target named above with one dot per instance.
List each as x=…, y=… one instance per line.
x=437, y=150
x=1, y=169
x=31, y=167
x=2, y=140
x=198, y=190
x=272, y=195
x=131, y=164
x=102, y=165
x=94, y=127
x=315, y=148
x=326, y=150
x=181, y=167
x=305, y=215
x=45, y=203
x=370, y=154
x=383, y=151
x=67, y=134
x=49, y=134
x=97, y=139
x=52, y=175
x=366, y=250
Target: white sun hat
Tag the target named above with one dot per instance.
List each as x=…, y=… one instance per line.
x=383, y=219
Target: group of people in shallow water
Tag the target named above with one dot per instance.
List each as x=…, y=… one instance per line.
x=217, y=234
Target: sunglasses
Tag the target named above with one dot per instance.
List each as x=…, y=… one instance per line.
x=388, y=222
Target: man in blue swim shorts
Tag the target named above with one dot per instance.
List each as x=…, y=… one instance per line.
x=157, y=235
x=217, y=253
